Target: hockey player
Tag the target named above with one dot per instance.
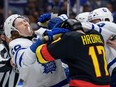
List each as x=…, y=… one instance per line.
x=22, y=50
x=84, y=54
x=103, y=18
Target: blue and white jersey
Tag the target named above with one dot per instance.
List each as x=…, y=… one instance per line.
x=106, y=29
x=21, y=53
x=32, y=73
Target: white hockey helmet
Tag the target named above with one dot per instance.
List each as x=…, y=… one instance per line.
x=8, y=24
x=82, y=17
x=103, y=14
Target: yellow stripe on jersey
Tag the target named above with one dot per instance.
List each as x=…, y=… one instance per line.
x=56, y=40
x=39, y=55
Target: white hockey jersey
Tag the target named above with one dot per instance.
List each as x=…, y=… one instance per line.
x=106, y=29
x=32, y=73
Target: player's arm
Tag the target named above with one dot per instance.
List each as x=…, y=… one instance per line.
x=53, y=51
x=26, y=56
x=22, y=56
x=87, y=26
x=106, y=33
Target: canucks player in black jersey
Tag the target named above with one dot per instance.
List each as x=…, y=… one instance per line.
x=83, y=52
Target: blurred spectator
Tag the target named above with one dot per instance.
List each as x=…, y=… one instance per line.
x=97, y=3
x=55, y=5
x=31, y=8
x=1, y=12
x=110, y=7
x=86, y=8
x=113, y=3
x=32, y=12
x=1, y=16
x=72, y=2
x=42, y=5
x=17, y=6
x=82, y=2
x=63, y=10
x=1, y=3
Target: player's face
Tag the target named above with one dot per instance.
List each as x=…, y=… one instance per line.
x=23, y=27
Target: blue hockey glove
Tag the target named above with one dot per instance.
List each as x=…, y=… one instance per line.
x=44, y=17
x=55, y=31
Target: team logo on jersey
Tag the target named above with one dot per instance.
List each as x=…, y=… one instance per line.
x=49, y=67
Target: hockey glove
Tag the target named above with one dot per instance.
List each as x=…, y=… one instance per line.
x=50, y=36
x=55, y=31
x=41, y=32
x=44, y=17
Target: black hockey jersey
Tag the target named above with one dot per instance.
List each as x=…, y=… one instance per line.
x=84, y=54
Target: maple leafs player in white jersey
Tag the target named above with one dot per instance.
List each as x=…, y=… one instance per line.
x=22, y=50
x=104, y=20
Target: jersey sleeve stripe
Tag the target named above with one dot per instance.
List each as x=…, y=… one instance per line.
x=93, y=27
x=46, y=54
x=20, y=60
x=16, y=55
x=111, y=63
x=100, y=30
x=39, y=55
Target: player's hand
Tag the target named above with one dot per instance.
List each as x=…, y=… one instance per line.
x=41, y=32
x=44, y=17
x=113, y=37
x=55, y=32
x=71, y=24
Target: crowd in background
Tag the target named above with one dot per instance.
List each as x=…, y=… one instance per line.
x=34, y=8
